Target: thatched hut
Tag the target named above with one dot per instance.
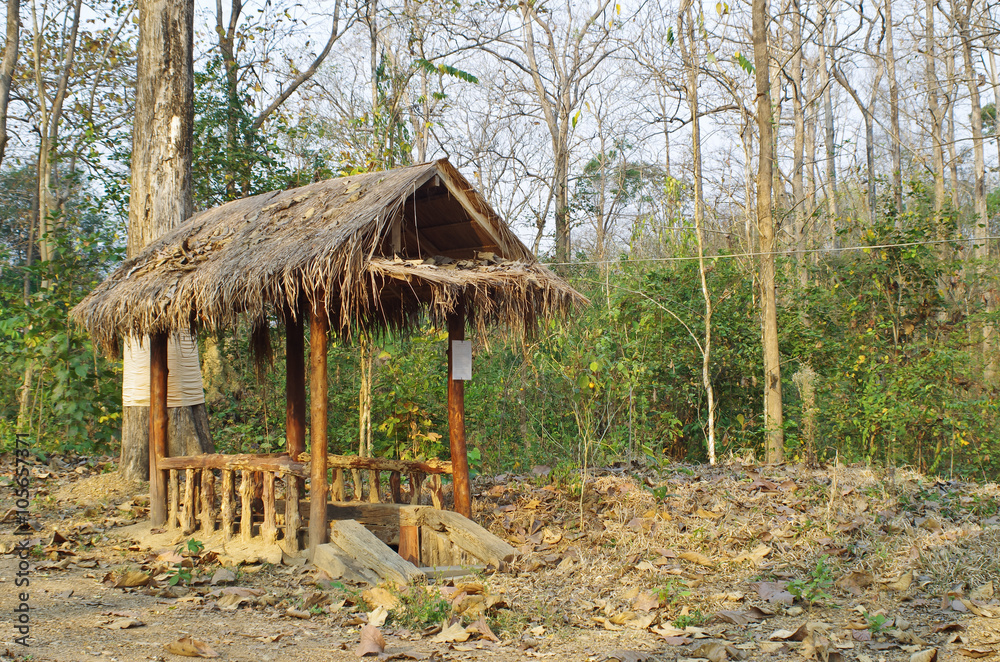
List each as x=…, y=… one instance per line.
x=366, y=252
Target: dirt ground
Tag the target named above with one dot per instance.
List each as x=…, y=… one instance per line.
x=738, y=561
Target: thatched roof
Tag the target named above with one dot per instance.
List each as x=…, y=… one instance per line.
x=378, y=248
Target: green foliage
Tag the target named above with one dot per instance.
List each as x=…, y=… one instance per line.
x=419, y=607
x=694, y=619
x=877, y=623
x=814, y=588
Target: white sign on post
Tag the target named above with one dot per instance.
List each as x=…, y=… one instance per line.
x=461, y=359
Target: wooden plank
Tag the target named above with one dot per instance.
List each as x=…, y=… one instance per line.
x=157, y=428
x=293, y=518
x=246, y=514
x=339, y=565
x=368, y=551
x=469, y=536
x=227, y=504
x=456, y=417
x=318, y=385
x=281, y=463
x=295, y=384
x=207, y=501
x=269, y=528
x=174, y=490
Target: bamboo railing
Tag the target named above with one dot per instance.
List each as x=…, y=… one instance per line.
x=246, y=491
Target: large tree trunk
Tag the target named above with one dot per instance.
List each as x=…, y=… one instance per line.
x=161, y=200
x=773, y=422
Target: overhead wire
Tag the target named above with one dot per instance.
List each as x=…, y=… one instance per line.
x=787, y=252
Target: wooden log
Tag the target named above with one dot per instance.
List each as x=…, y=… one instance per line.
x=246, y=512
x=443, y=572
x=432, y=466
x=368, y=551
x=395, y=490
x=374, y=487
x=337, y=491
x=227, y=504
x=339, y=565
x=456, y=417
x=318, y=385
x=469, y=536
x=188, y=521
x=435, y=548
x=293, y=520
x=174, y=490
x=295, y=384
x=409, y=535
x=157, y=428
x=272, y=462
x=207, y=501
x=416, y=481
x=269, y=528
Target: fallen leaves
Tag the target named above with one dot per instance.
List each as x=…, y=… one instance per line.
x=189, y=647
x=372, y=642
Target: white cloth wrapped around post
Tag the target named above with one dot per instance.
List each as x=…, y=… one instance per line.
x=184, y=386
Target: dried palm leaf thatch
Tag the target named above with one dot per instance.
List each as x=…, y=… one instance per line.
x=329, y=242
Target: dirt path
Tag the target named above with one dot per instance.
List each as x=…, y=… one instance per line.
x=737, y=562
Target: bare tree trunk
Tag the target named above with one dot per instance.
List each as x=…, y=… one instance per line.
x=890, y=61
x=950, y=93
x=161, y=196
x=829, y=138
x=10, y=53
x=798, y=165
x=690, y=54
x=937, y=142
x=964, y=16
x=773, y=422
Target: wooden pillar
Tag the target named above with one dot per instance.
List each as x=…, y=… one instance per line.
x=295, y=420
x=409, y=536
x=318, y=327
x=295, y=386
x=157, y=428
x=456, y=418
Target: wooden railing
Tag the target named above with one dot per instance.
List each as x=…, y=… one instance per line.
x=202, y=499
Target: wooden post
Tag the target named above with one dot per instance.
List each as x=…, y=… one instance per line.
x=227, y=504
x=188, y=522
x=456, y=417
x=174, y=500
x=295, y=419
x=318, y=327
x=157, y=428
x=207, y=501
x=409, y=536
x=295, y=386
x=246, y=512
x=269, y=528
